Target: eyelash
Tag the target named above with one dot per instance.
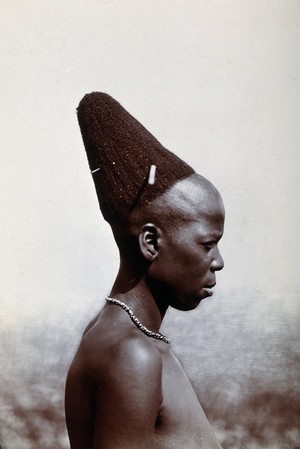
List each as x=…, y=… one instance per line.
x=209, y=245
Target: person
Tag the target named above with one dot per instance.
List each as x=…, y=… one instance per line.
x=125, y=388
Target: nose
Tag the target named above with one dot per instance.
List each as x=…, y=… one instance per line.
x=218, y=262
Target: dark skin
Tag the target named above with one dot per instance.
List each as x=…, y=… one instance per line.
x=125, y=389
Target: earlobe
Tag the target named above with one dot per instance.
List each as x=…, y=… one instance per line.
x=148, y=241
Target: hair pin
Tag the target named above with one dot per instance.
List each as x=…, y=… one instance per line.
x=151, y=179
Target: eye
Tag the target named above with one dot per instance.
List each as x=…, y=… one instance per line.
x=209, y=245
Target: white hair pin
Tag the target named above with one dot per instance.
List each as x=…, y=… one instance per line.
x=151, y=179
x=96, y=169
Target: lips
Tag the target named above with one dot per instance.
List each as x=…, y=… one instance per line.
x=208, y=289
x=210, y=285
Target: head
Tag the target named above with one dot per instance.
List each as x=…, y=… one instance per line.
x=174, y=241
x=168, y=229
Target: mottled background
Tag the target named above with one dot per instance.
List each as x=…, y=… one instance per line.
x=218, y=83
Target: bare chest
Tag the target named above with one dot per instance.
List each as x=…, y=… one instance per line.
x=181, y=420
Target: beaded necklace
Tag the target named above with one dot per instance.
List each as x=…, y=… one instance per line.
x=135, y=320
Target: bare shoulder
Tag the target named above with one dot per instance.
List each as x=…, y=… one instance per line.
x=106, y=351
x=115, y=382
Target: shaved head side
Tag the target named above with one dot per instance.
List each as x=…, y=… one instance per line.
x=178, y=203
x=171, y=209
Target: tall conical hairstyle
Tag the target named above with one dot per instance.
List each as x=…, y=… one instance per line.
x=129, y=166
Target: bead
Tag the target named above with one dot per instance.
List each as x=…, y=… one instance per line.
x=135, y=320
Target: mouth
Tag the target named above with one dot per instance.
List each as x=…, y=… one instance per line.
x=208, y=289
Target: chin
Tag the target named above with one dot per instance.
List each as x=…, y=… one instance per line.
x=187, y=304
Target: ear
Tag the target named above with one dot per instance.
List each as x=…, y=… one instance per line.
x=148, y=241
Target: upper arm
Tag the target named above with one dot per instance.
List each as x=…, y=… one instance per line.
x=79, y=403
x=128, y=396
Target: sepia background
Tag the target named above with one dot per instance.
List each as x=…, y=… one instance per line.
x=217, y=82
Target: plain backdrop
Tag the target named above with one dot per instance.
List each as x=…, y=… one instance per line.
x=217, y=82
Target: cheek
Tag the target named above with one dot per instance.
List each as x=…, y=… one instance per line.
x=191, y=263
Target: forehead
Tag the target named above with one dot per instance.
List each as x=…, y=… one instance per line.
x=195, y=199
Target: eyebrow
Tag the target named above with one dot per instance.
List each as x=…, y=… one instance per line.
x=212, y=238
x=218, y=235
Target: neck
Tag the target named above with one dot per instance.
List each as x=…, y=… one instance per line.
x=130, y=287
